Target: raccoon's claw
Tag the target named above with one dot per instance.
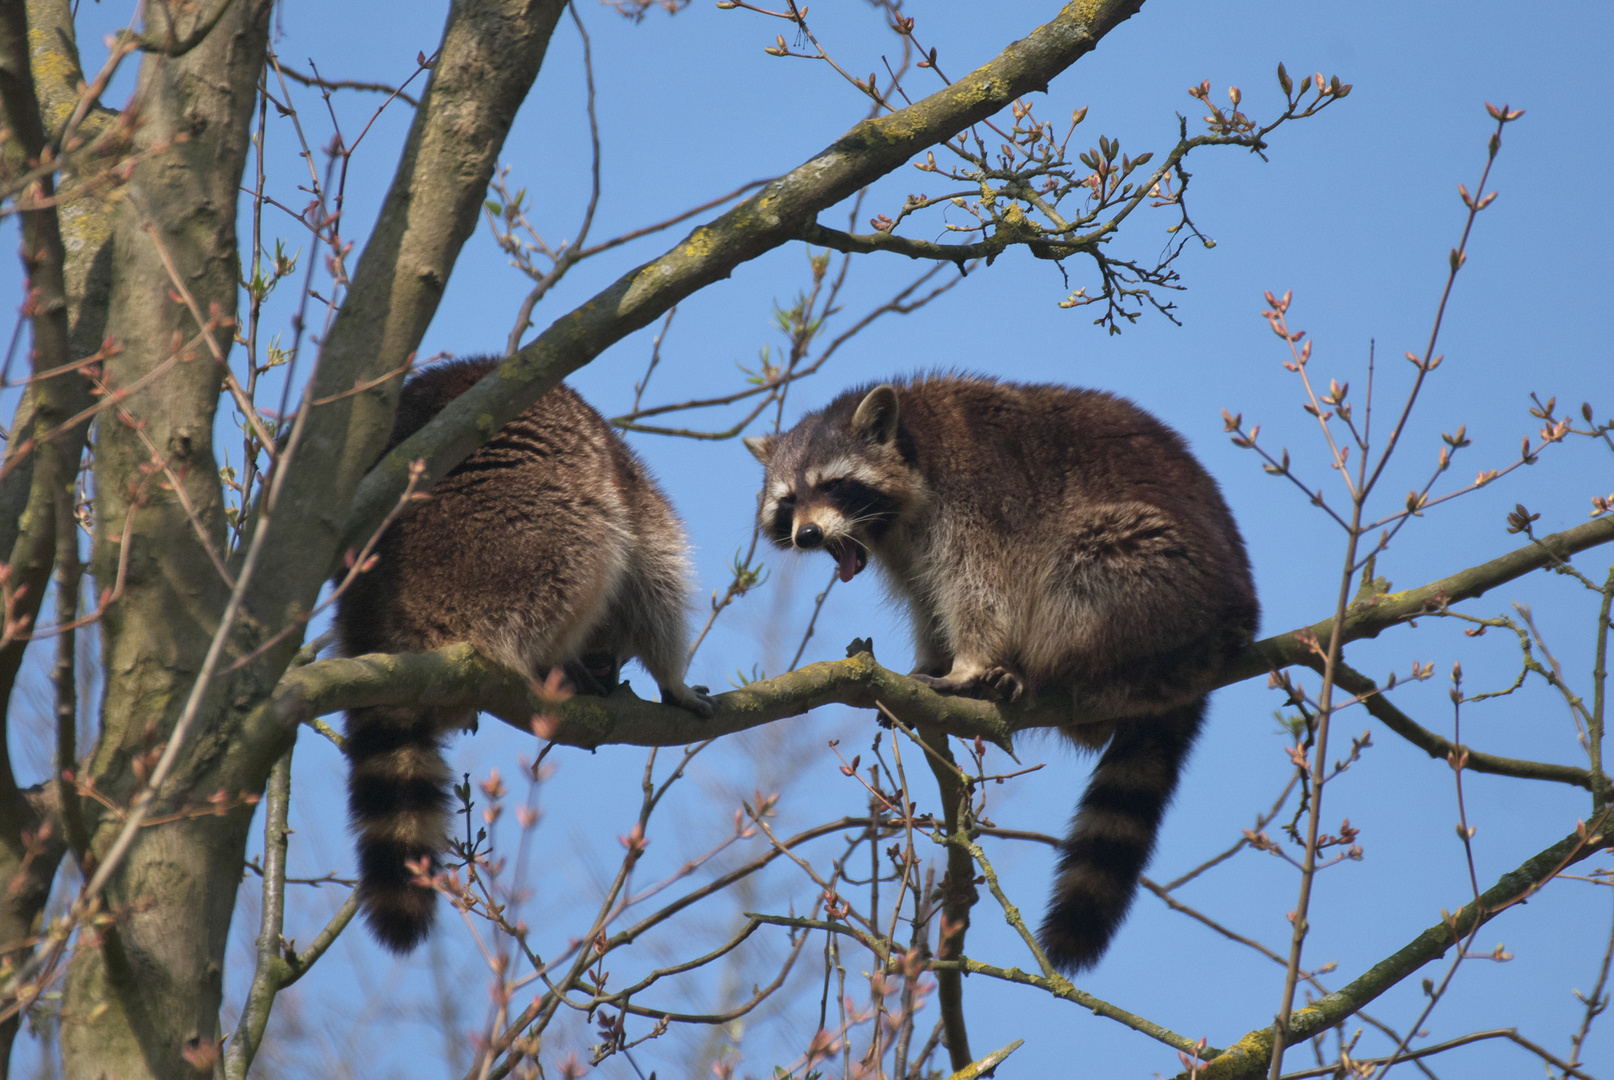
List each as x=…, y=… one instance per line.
x=1003, y=684
x=697, y=699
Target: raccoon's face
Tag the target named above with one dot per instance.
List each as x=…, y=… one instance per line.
x=835, y=484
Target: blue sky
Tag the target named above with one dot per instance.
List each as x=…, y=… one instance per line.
x=1355, y=212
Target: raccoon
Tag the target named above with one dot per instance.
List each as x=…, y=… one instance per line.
x=550, y=546
x=1043, y=538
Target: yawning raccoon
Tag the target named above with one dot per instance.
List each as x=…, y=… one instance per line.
x=1042, y=538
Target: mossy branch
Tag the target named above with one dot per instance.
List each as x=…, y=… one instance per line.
x=1370, y=615
x=1249, y=1057
x=456, y=676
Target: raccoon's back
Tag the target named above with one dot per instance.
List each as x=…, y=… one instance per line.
x=519, y=551
x=1108, y=535
x=1027, y=455
x=516, y=550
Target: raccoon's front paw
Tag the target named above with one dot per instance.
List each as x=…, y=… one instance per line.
x=994, y=684
x=697, y=699
x=1002, y=684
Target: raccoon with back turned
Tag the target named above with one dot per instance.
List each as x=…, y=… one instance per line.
x=1043, y=538
x=550, y=546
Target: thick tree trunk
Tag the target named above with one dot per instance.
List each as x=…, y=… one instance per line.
x=157, y=975
x=65, y=255
x=143, y=992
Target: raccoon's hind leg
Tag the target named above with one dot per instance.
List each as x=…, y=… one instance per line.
x=397, y=797
x=595, y=672
x=662, y=652
x=973, y=672
x=647, y=621
x=1114, y=834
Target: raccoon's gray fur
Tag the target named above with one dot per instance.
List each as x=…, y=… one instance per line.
x=550, y=546
x=1042, y=538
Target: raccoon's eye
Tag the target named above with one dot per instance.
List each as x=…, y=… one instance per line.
x=788, y=500
x=831, y=484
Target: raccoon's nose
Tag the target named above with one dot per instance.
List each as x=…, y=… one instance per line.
x=809, y=536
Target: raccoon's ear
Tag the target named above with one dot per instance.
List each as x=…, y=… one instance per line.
x=761, y=446
x=876, y=416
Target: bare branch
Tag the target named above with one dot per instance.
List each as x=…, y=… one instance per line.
x=348, y=84
x=266, y=979
x=455, y=675
x=1251, y=1055
x=1437, y=746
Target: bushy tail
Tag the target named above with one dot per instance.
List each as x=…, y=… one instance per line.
x=1114, y=834
x=397, y=799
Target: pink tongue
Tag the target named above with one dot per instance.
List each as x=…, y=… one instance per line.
x=848, y=562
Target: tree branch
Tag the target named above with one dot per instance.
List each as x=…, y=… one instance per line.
x=28, y=541
x=270, y=974
x=36, y=501
x=990, y=248
x=959, y=895
x=1366, y=617
x=1437, y=746
x=456, y=676
x=153, y=976
x=1250, y=1056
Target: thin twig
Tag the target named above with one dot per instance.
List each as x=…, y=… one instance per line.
x=1501, y=1033
x=348, y=84
x=265, y=981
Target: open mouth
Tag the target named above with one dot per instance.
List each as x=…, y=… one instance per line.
x=849, y=555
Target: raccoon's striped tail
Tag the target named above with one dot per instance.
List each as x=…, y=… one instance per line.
x=397, y=799
x=1114, y=834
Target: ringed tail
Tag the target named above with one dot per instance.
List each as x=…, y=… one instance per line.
x=398, y=799
x=1114, y=834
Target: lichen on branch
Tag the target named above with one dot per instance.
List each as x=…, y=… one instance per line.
x=456, y=676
